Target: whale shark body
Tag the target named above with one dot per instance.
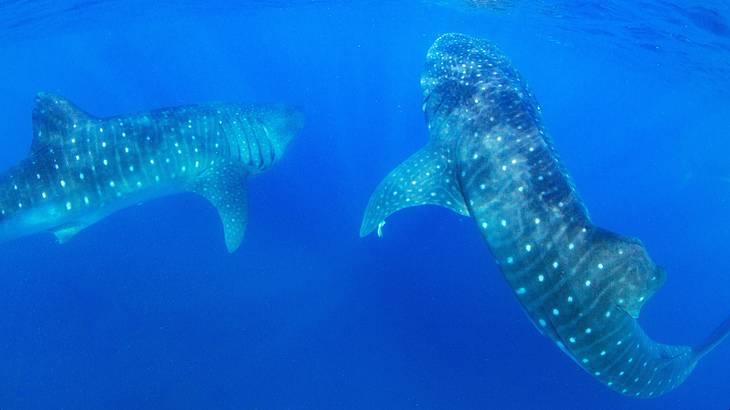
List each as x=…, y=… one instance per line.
x=488, y=157
x=82, y=168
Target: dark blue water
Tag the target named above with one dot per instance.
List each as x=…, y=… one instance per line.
x=146, y=310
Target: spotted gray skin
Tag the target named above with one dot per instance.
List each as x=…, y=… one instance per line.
x=82, y=168
x=488, y=157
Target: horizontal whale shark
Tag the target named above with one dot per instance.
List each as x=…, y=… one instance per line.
x=489, y=158
x=82, y=168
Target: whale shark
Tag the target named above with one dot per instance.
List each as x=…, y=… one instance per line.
x=495, y=5
x=489, y=158
x=82, y=168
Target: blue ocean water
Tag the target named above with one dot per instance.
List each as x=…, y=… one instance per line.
x=147, y=310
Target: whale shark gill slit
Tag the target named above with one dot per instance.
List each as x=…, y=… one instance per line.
x=488, y=157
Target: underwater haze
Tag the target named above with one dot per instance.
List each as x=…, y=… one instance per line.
x=147, y=309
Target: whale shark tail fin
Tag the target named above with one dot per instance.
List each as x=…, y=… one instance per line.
x=720, y=333
x=53, y=118
x=428, y=177
x=224, y=186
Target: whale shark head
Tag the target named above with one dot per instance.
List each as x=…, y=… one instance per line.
x=258, y=135
x=466, y=84
x=283, y=123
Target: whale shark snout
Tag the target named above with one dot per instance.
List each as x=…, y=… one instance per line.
x=284, y=122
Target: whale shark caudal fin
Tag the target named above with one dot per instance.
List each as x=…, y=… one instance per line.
x=715, y=339
x=224, y=186
x=53, y=116
x=428, y=177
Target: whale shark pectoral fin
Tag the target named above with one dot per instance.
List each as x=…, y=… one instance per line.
x=53, y=117
x=224, y=186
x=65, y=233
x=428, y=177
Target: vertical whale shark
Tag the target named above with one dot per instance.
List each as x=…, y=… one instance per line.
x=489, y=158
x=82, y=168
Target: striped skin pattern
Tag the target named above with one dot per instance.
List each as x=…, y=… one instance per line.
x=82, y=168
x=489, y=158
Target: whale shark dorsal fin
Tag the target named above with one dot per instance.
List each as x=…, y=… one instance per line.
x=53, y=117
x=626, y=264
x=428, y=177
x=224, y=186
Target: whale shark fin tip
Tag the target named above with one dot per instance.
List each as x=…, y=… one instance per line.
x=66, y=233
x=428, y=177
x=224, y=186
